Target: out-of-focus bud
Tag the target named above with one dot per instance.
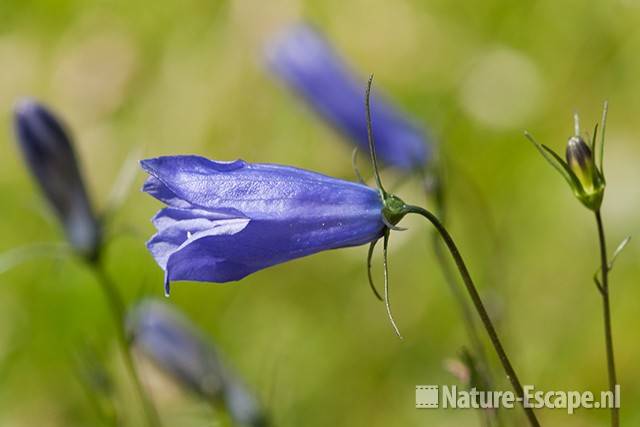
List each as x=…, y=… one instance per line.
x=48, y=152
x=581, y=163
x=308, y=63
x=177, y=347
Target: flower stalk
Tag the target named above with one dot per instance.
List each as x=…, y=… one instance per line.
x=394, y=210
x=585, y=175
x=606, y=311
x=440, y=209
x=479, y=306
x=118, y=313
x=466, y=313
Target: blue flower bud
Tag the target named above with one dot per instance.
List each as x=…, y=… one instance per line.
x=180, y=349
x=307, y=63
x=226, y=220
x=49, y=154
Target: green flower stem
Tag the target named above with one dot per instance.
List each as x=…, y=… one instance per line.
x=487, y=417
x=107, y=417
x=482, y=312
x=118, y=312
x=467, y=316
x=458, y=295
x=606, y=306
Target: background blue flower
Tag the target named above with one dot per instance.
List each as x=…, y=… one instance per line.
x=48, y=151
x=174, y=344
x=307, y=63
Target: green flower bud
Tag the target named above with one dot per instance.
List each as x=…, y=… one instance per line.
x=581, y=163
x=585, y=178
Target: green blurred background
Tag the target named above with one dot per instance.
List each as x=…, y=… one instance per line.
x=187, y=76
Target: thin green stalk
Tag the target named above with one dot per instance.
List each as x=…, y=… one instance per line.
x=479, y=306
x=467, y=317
x=107, y=418
x=465, y=310
x=454, y=287
x=606, y=306
x=118, y=312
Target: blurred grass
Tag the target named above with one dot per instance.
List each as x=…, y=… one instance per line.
x=186, y=77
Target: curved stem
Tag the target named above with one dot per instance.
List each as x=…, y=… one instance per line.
x=454, y=286
x=118, y=312
x=459, y=297
x=465, y=310
x=604, y=291
x=479, y=306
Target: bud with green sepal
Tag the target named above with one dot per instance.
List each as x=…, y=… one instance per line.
x=585, y=178
x=581, y=163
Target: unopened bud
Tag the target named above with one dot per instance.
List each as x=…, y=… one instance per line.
x=580, y=161
x=49, y=154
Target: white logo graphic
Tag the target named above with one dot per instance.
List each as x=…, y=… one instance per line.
x=449, y=396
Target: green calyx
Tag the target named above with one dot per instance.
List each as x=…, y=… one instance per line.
x=591, y=199
x=393, y=209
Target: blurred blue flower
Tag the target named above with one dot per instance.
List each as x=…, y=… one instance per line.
x=49, y=153
x=177, y=347
x=226, y=220
x=306, y=62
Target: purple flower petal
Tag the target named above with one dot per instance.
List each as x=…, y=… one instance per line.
x=257, y=190
x=157, y=189
x=264, y=243
x=178, y=229
x=244, y=217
